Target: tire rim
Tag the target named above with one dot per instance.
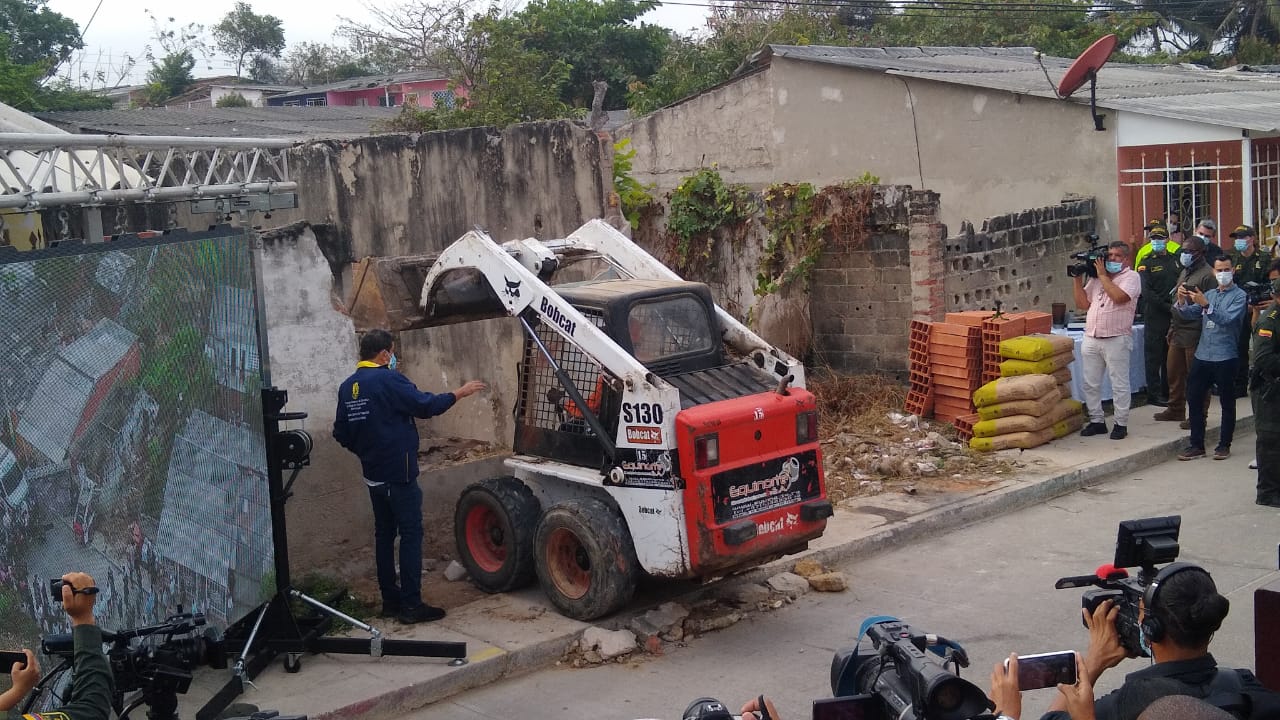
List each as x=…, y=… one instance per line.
x=568, y=563
x=486, y=540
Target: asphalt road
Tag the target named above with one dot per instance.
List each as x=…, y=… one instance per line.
x=988, y=586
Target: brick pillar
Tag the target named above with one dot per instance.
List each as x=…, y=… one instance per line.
x=925, y=240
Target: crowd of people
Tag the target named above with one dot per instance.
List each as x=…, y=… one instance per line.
x=1202, y=336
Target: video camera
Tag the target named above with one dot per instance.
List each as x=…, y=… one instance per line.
x=161, y=670
x=893, y=677
x=1257, y=292
x=1085, y=259
x=1139, y=543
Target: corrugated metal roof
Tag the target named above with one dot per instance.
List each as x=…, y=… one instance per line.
x=1230, y=98
x=368, y=82
x=63, y=392
x=267, y=122
x=216, y=514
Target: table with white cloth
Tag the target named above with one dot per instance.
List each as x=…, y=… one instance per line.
x=1137, y=363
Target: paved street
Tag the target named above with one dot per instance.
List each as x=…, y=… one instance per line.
x=989, y=587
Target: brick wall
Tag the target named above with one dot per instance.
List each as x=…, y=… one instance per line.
x=1019, y=259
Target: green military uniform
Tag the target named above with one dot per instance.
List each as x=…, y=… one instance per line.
x=1265, y=388
x=1253, y=268
x=1159, y=274
x=92, y=685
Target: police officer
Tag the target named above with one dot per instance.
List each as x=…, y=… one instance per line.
x=1170, y=245
x=1159, y=272
x=1250, y=264
x=1264, y=388
x=91, y=683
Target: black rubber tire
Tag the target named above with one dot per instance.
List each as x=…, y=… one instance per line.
x=493, y=527
x=586, y=563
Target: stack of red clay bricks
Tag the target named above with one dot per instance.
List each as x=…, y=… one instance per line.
x=1006, y=326
x=920, y=396
x=955, y=361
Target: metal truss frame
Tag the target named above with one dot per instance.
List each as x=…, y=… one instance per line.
x=51, y=170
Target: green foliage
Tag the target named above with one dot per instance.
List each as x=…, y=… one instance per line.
x=333, y=592
x=242, y=32
x=170, y=77
x=232, y=100
x=173, y=372
x=36, y=35
x=802, y=221
x=596, y=39
x=701, y=204
x=633, y=196
x=319, y=63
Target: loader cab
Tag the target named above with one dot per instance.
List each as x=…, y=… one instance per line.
x=669, y=326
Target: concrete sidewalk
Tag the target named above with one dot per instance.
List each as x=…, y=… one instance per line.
x=520, y=632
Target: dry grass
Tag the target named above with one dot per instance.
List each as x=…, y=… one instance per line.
x=865, y=452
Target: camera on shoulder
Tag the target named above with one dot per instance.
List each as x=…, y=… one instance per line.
x=1144, y=544
x=1085, y=259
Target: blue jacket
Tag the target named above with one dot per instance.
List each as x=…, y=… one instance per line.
x=374, y=420
x=1221, y=340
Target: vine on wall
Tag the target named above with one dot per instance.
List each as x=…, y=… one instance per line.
x=803, y=221
x=700, y=206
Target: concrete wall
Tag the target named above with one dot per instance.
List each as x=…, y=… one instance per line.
x=856, y=314
x=406, y=195
x=1019, y=258
x=983, y=151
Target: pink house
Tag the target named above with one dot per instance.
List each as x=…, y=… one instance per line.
x=424, y=88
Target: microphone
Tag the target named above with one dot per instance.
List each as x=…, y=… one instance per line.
x=1099, y=576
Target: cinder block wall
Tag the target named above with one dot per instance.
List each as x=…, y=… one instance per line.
x=1019, y=259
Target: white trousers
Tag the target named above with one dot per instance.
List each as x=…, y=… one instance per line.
x=1111, y=355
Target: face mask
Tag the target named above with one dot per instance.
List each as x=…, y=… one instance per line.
x=1186, y=259
x=392, y=363
x=1159, y=245
x=1173, y=227
x=1114, y=267
x=1241, y=244
x=1224, y=277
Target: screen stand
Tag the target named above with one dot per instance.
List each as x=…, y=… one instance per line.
x=275, y=628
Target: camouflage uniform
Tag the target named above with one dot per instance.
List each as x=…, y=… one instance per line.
x=1265, y=387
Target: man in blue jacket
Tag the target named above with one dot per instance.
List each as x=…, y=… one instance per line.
x=375, y=420
x=1221, y=312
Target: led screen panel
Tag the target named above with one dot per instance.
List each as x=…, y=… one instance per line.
x=131, y=437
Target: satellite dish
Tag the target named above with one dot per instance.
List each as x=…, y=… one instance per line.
x=1085, y=68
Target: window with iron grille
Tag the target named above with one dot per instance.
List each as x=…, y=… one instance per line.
x=315, y=102
x=543, y=402
x=443, y=99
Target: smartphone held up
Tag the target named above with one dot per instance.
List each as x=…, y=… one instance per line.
x=1046, y=670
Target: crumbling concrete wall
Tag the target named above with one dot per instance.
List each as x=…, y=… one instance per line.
x=1019, y=259
x=862, y=295
x=405, y=195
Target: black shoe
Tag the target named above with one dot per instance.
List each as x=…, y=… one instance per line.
x=1119, y=432
x=389, y=611
x=421, y=614
x=1094, y=428
x=1191, y=453
x=1269, y=502
x=1158, y=401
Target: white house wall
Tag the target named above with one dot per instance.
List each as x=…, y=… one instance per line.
x=1133, y=130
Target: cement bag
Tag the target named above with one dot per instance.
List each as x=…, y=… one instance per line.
x=1026, y=387
x=1040, y=406
x=1022, y=440
x=1014, y=368
x=1059, y=410
x=1062, y=375
x=1063, y=428
x=1065, y=390
x=1035, y=347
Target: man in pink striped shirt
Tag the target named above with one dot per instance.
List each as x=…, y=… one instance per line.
x=1111, y=299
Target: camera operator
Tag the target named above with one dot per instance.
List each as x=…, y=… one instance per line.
x=1264, y=386
x=91, y=681
x=1186, y=611
x=1250, y=263
x=1111, y=301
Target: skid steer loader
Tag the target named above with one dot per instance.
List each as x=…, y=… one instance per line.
x=654, y=432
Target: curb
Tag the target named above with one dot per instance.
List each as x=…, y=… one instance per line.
x=1014, y=495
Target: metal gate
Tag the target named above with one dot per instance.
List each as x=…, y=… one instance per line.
x=1195, y=180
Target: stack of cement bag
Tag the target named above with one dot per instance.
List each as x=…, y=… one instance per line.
x=1042, y=354
x=1023, y=411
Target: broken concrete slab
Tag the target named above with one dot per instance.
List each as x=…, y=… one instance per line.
x=608, y=643
x=789, y=584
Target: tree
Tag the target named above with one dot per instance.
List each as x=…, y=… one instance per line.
x=318, y=63
x=37, y=35
x=420, y=34
x=243, y=33
x=170, y=76
x=21, y=87
x=233, y=100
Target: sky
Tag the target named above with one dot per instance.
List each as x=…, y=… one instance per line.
x=121, y=27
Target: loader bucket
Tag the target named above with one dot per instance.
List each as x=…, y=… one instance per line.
x=386, y=292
